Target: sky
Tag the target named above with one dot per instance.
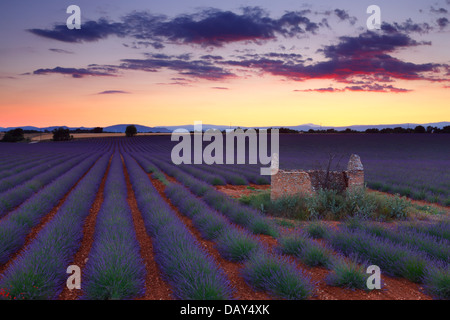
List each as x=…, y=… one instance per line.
x=239, y=63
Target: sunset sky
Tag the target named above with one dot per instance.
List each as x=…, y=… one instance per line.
x=247, y=63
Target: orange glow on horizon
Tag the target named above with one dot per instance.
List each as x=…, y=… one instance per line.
x=260, y=102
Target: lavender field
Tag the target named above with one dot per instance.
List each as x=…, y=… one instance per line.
x=140, y=227
x=412, y=165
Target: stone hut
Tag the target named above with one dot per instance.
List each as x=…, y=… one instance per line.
x=308, y=182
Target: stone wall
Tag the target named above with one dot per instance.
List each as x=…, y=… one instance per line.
x=308, y=182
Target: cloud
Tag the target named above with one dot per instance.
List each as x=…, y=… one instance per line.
x=439, y=10
x=363, y=88
x=91, y=31
x=344, y=16
x=406, y=27
x=209, y=27
x=442, y=22
x=182, y=64
x=76, y=72
x=211, y=57
x=358, y=60
x=220, y=88
x=139, y=44
x=60, y=51
x=369, y=43
x=114, y=92
x=329, y=89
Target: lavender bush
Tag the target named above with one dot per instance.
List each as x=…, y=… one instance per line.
x=15, y=227
x=115, y=269
x=190, y=271
x=40, y=271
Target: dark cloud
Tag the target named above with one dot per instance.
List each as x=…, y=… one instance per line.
x=438, y=11
x=406, y=27
x=329, y=89
x=211, y=57
x=363, y=88
x=75, y=72
x=114, y=92
x=358, y=60
x=376, y=88
x=442, y=22
x=210, y=27
x=369, y=43
x=195, y=68
x=344, y=16
x=60, y=51
x=90, y=31
x=140, y=44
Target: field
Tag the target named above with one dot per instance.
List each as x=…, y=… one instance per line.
x=140, y=227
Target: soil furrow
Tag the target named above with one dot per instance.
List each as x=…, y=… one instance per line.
x=155, y=287
x=392, y=289
x=81, y=257
x=36, y=229
x=231, y=269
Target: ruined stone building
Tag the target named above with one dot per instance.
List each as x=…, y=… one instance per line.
x=291, y=182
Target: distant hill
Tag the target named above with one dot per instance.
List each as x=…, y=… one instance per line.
x=308, y=126
x=120, y=128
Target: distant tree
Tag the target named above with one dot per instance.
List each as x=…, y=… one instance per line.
x=61, y=134
x=286, y=130
x=419, y=129
x=373, y=130
x=430, y=129
x=130, y=131
x=445, y=129
x=15, y=135
x=97, y=130
x=399, y=130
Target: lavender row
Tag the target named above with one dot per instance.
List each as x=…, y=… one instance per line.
x=344, y=272
x=263, y=270
x=39, y=168
x=434, y=247
x=40, y=271
x=186, y=266
x=439, y=230
x=210, y=178
x=234, y=244
x=213, y=176
x=15, y=196
x=394, y=259
x=239, y=214
x=115, y=269
x=15, y=227
x=16, y=160
x=236, y=172
x=18, y=166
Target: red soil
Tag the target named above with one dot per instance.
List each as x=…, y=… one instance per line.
x=392, y=288
x=231, y=269
x=35, y=231
x=158, y=289
x=239, y=191
x=155, y=287
x=81, y=257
